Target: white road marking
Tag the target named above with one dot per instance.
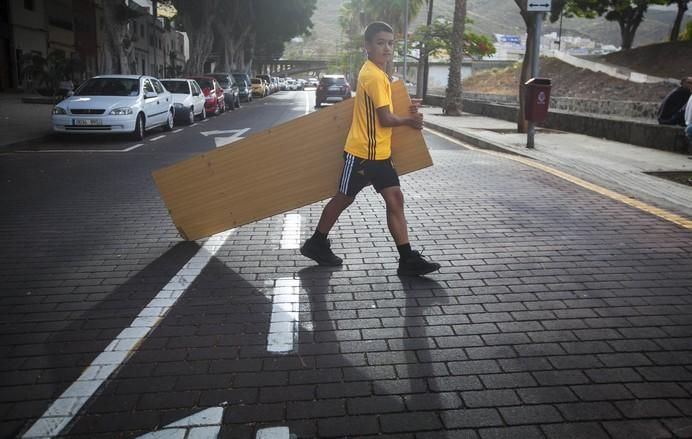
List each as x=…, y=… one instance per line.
x=273, y=433
x=283, y=328
x=178, y=130
x=194, y=124
x=202, y=425
x=157, y=138
x=133, y=147
x=61, y=412
x=205, y=120
x=290, y=237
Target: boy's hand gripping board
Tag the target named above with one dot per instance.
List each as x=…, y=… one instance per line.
x=277, y=170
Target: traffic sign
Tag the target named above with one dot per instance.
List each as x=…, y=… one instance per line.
x=538, y=6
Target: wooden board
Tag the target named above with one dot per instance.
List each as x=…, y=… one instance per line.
x=277, y=170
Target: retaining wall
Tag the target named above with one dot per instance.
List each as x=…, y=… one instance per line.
x=635, y=132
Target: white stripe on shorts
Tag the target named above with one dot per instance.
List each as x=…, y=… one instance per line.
x=346, y=177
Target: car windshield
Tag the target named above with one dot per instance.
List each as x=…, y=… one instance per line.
x=109, y=87
x=205, y=83
x=333, y=81
x=223, y=80
x=181, y=87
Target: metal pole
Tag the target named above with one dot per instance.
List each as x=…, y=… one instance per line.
x=405, y=39
x=535, y=56
x=559, y=38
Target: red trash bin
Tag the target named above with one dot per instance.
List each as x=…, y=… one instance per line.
x=537, y=94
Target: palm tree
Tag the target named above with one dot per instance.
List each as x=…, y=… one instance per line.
x=453, y=103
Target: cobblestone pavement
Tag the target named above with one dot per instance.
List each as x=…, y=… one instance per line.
x=558, y=313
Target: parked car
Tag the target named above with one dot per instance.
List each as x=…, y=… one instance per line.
x=188, y=99
x=312, y=82
x=259, y=87
x=231, y=90
x=215, y=102
x=116, y=104
x=240, y=78
x=268, y=80
x=332, y=88
x=300, y=84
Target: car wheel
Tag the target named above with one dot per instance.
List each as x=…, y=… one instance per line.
x=232, y=105
x=191, y=117
x=237, y=101
x=204, y=113
x=169, y=122
x=138, y=133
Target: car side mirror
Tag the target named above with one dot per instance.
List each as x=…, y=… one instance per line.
x=70, y=93
x=149, y=95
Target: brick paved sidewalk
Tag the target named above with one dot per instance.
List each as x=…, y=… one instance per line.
x=558, y=313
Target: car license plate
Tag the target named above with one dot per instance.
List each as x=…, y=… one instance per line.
x=86, y=122
x=335, y=88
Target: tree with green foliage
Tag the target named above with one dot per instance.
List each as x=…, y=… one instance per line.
x=436, y=39
x=629, y=14
x=687, y=34
x=355, y=15
x=453, y=102
x=240, y=30
x=682, y=8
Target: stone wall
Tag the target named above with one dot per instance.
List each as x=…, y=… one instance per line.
x=621, y=109
x=635, y=132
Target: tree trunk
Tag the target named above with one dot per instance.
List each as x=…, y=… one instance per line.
x=201, y=43
x=629, y=23
x=453, y=103
x=426, y=57
x=682, y=8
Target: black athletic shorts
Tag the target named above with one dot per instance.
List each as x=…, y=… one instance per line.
x=358, y=173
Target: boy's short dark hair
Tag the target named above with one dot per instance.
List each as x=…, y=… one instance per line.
x=375, y=27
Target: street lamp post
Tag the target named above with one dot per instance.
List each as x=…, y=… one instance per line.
x=405, y=39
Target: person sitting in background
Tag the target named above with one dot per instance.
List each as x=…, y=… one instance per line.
x=672, y=109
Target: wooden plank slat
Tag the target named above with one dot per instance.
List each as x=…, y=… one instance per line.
x=274, y=171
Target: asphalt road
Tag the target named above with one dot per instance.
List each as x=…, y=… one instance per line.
x=558, y=313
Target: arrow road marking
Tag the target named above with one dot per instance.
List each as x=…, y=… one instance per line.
x=221, y=141
x=205, y=424
x=61, y=412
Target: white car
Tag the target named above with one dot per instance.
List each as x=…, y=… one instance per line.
x=116, y=104
x=188, y=99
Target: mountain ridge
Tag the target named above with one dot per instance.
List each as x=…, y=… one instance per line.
x=502, y=18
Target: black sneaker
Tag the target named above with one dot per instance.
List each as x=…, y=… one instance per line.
x=415, y=265
x=320, y=252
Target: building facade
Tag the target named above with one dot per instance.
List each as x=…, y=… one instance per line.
x=72, y=33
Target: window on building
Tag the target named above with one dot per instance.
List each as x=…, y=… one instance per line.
x=29, y=5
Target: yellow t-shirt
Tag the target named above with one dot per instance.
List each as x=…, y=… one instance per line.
x=367, y=139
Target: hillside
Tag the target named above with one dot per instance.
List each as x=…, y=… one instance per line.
x=502, y=18
x=574, y=82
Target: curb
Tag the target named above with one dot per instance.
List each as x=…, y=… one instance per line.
x=475, y=140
